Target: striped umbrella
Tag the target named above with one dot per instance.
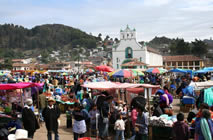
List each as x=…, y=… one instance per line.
x=156, y=70
x=136, y=72
x=122, y=73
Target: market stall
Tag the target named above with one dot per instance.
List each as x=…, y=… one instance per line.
x=12, y=97
x=147, y=88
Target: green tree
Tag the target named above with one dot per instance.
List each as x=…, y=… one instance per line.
x=199, y=48
x=180, y=47
x=44, y=56
x=100, y=37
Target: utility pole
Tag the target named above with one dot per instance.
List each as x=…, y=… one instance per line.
x=78, y=57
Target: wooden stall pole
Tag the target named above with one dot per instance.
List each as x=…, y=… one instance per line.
x=127, y=115
x=149, y=92
x=22, y=102
x=118, y=91
x=38, y=102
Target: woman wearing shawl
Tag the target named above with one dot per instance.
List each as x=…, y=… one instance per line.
x=164, y=99
x=204, y=127
x=166, y=90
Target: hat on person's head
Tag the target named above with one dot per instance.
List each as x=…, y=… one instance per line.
x=20, y=134
x=29, y=102
x=160, y=91
x=51, y=99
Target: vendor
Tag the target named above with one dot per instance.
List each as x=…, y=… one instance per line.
x=164, y=99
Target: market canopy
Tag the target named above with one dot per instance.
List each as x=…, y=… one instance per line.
x=116, y=85
x=201, y=85
x=104, y=68
x=181, y=71
x=202, y=71
x=122, y=73
x=208, y=68
x=136, y=72
x=19, y=85
x=156, y=70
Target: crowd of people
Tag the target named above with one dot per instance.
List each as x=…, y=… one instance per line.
x=94, y=112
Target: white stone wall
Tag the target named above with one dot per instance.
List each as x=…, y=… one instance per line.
x=121, y=56
x=155, y=59
x=139, y=51
x=128, y=43
x=119, y=52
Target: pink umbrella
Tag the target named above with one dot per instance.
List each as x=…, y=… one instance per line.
x=104, y=68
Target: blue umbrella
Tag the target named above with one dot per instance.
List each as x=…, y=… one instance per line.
x=178, y=70
x=208, y=69
x=201, y=71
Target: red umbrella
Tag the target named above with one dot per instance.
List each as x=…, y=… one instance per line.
x=104, y=68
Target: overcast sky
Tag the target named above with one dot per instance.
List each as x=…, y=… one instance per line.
x=188, y=19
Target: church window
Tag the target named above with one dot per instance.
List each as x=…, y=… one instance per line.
x=128, y=52
x=117, y=60
x=140, y=59
x=117, y=66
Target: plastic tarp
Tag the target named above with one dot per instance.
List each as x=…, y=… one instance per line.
x=115, y=85
x=189, y=91
x=135, y=90
x=19, y=86
x=202, y=71
x=208, y=68
x=181, y=71
x=201, y=85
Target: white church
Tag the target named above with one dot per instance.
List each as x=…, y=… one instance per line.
x=130, y=53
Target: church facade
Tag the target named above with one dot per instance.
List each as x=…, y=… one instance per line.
x=129, y=49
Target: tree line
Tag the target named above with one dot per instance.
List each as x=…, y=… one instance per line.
x=16, y=39
x=179, y=46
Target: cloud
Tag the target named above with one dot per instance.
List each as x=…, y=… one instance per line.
x=156, y=2
x=187, y=19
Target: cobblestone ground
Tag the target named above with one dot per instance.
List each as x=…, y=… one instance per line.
x=66, y=133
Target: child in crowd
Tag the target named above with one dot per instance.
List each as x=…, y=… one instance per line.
x=141, y=125
x=92, y=115
x=119, y=127
x=180, y=128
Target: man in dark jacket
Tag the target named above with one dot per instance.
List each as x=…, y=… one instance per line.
x=103, y=122
x=51, y=114
x=29, y=119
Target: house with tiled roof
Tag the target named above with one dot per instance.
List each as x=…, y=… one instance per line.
x=134, y=64
x=128, y=48
x=21, y=66
x=183, y=62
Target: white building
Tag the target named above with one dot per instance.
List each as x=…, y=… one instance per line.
x=128, y=48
